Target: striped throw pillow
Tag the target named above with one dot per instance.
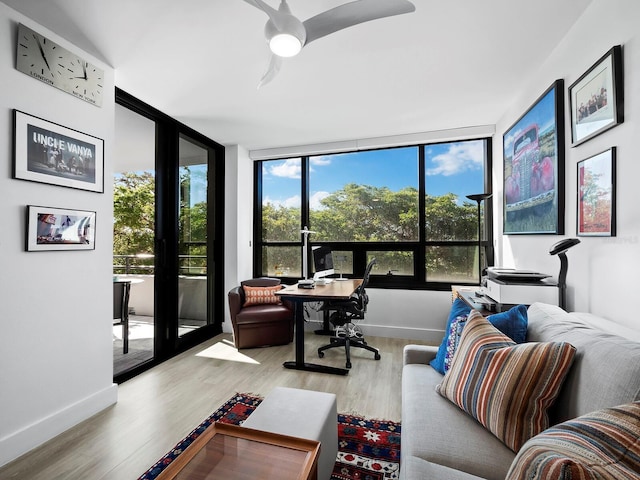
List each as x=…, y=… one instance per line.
x=602, y=445
x=261, y=295
x=505, y=386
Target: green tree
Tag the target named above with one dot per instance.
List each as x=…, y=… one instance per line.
x=133, y=213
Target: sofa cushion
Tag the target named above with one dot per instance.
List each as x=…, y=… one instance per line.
x=261, y=295
x=416, y=468
x=507, y=387
x=606, y=368
x=457, y=316
x=437, y=431
x=603, y=445
x=513, y=323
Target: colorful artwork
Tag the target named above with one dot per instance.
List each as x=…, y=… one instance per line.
x=534, y=167
x=596, y=195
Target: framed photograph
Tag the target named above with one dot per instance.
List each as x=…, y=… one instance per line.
x=533, y=150
x=597, y=195
x=50, y=153
x=596, y=99
x=60, y=229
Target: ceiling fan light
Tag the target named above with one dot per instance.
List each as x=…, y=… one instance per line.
x=285, y=45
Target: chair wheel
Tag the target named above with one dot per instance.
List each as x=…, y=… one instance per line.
x=320, y=354
x=377, y=356
x=348, y=365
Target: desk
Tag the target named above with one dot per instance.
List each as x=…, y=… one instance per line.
x=229, y=452
x=321, y=293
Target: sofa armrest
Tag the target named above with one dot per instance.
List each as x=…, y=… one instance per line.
x=419, y=354
x=235, y=301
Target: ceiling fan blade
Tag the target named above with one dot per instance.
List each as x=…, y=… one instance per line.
x=351, y=14
x=272, y=70
x=274, y=15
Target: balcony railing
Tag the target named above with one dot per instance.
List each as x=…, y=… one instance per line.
x=143, y=264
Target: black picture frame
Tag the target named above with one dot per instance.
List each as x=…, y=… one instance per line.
x=47, y=152
x=596, y=195
x=596, y=99
x=534, y=153
x=51, y=228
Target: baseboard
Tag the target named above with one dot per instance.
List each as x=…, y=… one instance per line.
x=430, y=336
x=22, y=441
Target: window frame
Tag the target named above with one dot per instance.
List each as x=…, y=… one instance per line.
x=360, y=250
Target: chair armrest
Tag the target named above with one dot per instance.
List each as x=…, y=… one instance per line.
x=419, y=354
x=235, y=301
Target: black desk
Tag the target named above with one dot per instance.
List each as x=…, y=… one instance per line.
x=333, y=291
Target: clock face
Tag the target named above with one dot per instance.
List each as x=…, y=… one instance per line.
x=40, y=58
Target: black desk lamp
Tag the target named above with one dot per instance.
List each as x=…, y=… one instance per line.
x=479, y=197
x=560, y=249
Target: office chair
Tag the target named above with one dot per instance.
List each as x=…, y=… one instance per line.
x=347, y=333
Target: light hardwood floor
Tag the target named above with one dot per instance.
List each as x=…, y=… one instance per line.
x=160, y=407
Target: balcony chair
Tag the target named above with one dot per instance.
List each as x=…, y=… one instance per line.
x=345, y=317
x=258, y=317
x=121, y=291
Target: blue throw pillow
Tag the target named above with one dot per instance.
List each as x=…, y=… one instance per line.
x=513, y=323
x=458, y=309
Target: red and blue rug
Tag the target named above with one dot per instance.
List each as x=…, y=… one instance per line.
x=367, y=449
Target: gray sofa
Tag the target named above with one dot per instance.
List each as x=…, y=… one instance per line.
x=441, y=442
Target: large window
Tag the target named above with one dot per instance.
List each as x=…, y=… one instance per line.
x=405, y=206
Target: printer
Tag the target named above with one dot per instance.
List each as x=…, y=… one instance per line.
x=512, y=287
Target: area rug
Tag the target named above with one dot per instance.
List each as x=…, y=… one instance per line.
x=367, y=449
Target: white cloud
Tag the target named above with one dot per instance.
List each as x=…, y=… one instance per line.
x=288, y=169
x=316, y=198
x=320, y=160
x=459, y=158
x=287, y=202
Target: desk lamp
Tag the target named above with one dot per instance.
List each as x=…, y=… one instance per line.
x=560, y=249
x=479, y=197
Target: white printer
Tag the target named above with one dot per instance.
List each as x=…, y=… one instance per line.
x=510, y=286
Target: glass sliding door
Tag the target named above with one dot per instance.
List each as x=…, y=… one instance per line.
x=192, y=236
x=134, y=190
x=173, y=203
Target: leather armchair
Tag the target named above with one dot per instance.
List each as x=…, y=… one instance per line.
x=260, y=325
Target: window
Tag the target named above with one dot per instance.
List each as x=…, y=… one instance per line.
x=405, y=206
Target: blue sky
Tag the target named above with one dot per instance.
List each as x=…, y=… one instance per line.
x=450, y=167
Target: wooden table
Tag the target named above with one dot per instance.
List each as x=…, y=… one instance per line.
x=228, y=452
x=336, y=290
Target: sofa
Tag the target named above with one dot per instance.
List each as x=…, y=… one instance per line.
x=441, y=441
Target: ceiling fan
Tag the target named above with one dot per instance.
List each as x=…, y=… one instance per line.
x=286, y=35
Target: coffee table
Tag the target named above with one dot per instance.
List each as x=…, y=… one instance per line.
x=231, y=452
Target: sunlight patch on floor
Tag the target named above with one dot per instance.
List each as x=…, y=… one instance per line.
x=224, y=351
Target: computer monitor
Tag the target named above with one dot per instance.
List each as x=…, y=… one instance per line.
x=323, y=262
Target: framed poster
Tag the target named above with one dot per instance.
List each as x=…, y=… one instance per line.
x=596, y=99
x=46, y=152
x=51, y=228
x=597, y=195
x=533, y=150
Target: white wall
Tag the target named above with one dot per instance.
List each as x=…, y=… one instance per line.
x=56, y=360
x=238, y=221
x=602, y=271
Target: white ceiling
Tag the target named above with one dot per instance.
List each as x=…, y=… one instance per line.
x=450, y=64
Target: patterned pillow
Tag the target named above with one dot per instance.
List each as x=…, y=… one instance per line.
x=602, y=445
x=459, y=310
x=507, y=387
x=261, y=295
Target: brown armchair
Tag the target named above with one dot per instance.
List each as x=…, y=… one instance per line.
x=260, y=325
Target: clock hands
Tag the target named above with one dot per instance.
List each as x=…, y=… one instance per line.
x=44, y=57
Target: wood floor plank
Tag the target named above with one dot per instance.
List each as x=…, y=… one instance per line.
x=157, y=409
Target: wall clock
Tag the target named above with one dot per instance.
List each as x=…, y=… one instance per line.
x=40, y=58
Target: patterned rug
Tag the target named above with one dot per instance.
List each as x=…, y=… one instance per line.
x=367, y=449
